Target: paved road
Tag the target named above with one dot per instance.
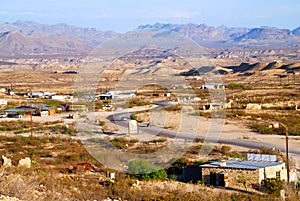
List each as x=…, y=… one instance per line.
x=117, y=119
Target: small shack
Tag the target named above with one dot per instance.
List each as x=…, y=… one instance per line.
x=240, y=174
x=213, y=106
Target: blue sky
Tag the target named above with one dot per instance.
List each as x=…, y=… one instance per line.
x=125, y=15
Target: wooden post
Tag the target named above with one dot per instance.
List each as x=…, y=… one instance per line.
x=31, y=129
x=129, y=128
x=286, y=150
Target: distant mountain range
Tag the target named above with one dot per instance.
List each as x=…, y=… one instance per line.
x=31, y=38
x=234, y=36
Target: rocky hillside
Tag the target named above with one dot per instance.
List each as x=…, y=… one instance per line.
x=15, y=43
x=88, y=35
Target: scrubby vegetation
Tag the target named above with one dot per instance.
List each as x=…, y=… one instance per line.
x=273, y=186
x=144, y=170
x=137, y=102
x=122, y=142
x=173, y=108
x=236, y=86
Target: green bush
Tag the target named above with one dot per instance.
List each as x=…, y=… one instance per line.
x=176, y=167
x=133, y=117
x=144, y=170
x=272, y=186
x=173, y=177
x=236, y=155
x=298, y=185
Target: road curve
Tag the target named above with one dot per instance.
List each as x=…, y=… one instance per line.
x=117, y=119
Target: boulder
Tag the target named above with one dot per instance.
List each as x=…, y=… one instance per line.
x=6, y=161
x=25, y=162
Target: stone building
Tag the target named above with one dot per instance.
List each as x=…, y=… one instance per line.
x=241, y=174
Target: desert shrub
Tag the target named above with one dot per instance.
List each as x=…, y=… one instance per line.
x=260, y=128
x=264, y=150
x=242, y=180
x=173, y=177
x=62, y=129
x=198, y=140
x=199, y=162
x=144, y=170
x=194, y=149
x=159, y=140
x=177, y=164
x=3, y=128
x=120, y=142
x=137, y=102
x=273, y=186
x=173, y=108
x=235, y=86
x=20, y=130
x=236, y=155
x=225, y=150
x=101, y=123
x=9, y=106
x=294, y=133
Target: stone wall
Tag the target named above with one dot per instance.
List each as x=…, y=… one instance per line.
x=234, y=177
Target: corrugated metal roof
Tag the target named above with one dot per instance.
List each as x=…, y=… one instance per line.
x=15, y=110
x=232, y=164
x=27, y=108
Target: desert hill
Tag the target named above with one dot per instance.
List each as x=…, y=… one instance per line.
x=17, y=43
x=88, y=35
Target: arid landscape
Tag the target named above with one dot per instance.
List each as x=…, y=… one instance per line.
x=165, y=111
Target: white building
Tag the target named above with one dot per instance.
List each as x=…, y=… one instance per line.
x=3, y=102
x=213, y=86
